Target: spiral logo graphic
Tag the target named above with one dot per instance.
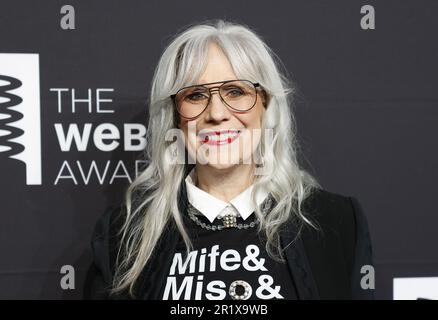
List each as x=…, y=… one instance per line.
x=20, y=129
x=10, y=147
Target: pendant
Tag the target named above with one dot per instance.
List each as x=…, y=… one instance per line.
x=229, y=221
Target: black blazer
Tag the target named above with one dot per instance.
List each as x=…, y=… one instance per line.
x=324, y=264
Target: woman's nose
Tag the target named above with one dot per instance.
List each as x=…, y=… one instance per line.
x=217, y=109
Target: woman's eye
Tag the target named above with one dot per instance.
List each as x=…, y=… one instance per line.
x=235, y=92
x=195, y=96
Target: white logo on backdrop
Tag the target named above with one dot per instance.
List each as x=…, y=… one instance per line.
x=20, y=126
x=416, y=288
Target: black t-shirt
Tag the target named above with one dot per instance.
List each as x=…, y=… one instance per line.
x=222, y=257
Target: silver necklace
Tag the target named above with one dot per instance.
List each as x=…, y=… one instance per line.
x=229, y=220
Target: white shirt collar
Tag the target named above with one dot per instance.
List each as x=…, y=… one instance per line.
x=212, y=207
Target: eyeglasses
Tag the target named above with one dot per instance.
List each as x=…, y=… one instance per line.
x=239, y=95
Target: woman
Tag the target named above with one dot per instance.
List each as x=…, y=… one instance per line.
x=253, y=225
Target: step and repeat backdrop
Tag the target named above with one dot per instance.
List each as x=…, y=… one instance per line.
x=74, y=84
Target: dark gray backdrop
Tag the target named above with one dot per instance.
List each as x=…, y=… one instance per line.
x=367, y=119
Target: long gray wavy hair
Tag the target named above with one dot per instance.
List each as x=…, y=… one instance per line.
x=151, y=200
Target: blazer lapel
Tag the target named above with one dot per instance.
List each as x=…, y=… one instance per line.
x=298, y=263
x=156, y=271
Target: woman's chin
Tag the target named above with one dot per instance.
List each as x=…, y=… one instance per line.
x=221, y=166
